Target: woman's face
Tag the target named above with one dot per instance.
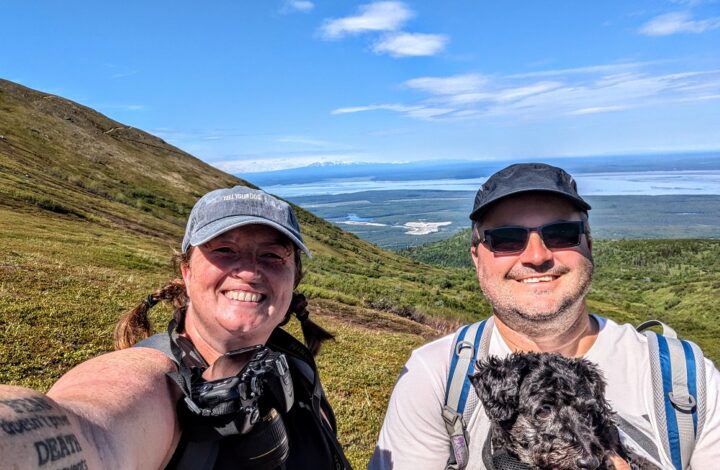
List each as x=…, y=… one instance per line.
x=240, y=285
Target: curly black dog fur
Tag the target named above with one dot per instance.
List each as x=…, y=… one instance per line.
x=550, y=412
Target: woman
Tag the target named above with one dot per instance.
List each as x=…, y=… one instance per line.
x=215, y=390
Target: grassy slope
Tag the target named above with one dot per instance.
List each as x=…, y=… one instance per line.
x=90, y=211
x=675, y=281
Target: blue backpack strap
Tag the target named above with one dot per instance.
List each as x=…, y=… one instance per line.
x=470, y=343
x=678, y=374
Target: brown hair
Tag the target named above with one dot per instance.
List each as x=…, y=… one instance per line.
x=134, y=326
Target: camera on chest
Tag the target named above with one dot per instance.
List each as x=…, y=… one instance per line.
x=239, y=402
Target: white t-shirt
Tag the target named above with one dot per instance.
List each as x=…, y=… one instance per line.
x=413, y=436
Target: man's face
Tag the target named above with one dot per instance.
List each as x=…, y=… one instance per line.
x=536, y=284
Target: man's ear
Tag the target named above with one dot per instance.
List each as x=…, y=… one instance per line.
x=474, y=255
x=497, y=383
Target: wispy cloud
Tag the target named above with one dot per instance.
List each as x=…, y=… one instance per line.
x=591, y=69
x=291, y=6
x=249, y=164
x=411, y=44
x=515, y=94
x=123, y=74
x=524, y=97
x=376, y=107
x=373, y=17
x=119, y=71
x=466, y=83
x=678, y=22
x=599, y=109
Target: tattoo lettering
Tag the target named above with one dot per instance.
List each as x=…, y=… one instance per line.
x=81, y=465
x=22, y=425
x=56, y=448
x=27, y=405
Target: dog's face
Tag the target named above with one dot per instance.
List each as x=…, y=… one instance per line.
x=548, y=410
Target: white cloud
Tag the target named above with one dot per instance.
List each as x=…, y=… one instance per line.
x=468, y=83
x=375, y=107
x=473, y=95
x=411, y=44
x=678, y=22
x=512, y=94
x=592, y=69
x=256, y=165
x=429, y=112
x=303, y=6
x=598, y=109
x=373, y=17
x=124, y=74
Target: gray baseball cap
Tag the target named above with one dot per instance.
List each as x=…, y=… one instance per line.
x=525, y=177
x=222, y=210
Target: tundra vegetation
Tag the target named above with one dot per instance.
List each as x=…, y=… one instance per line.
x=91, y=211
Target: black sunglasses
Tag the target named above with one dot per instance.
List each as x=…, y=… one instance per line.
x=514, y=239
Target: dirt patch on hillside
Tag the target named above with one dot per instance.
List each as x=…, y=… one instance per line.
x=378, y=320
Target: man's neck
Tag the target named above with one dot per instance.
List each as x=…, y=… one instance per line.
x=575, y=341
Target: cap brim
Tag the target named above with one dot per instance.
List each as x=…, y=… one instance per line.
x=482, y=209
x=226, y=224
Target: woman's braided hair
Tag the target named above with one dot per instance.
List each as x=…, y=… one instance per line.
x=135, y=325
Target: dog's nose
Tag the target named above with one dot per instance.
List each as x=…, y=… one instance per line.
x=589, y=462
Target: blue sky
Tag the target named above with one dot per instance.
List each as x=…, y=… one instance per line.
x=257, y=85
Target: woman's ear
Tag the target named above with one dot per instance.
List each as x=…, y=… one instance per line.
x=185, y=269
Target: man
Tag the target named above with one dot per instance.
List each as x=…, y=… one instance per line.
x=532, y=250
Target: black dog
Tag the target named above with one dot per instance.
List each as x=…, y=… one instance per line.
x=549, y=412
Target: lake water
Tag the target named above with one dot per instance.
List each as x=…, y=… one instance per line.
x=652, y=183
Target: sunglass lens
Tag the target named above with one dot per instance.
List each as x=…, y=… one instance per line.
x=561, y=235
x=508, y=239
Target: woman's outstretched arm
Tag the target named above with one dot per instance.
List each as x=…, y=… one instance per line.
x=113, y=411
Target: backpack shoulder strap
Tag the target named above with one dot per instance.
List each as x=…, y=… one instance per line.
x=302, y=359
x=471, y=342
x=678, y=376
x=159, y=341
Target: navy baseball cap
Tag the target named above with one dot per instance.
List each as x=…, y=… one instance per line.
x=525, y=177
x=225, y=209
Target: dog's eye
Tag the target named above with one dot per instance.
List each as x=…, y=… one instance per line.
x=544, y=412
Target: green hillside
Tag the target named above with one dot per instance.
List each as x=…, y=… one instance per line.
x=90, y=213
x=675, y=281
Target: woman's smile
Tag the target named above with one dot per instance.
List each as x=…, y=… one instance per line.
x=244, y=296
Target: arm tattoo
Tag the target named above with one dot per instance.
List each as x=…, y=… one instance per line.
x=29, y=415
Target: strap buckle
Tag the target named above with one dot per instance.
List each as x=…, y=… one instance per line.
x=462, y=345
x=684, y=402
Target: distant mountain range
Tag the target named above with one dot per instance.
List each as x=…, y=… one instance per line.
x=466, y=169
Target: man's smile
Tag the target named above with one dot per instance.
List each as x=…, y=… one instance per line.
x=537, y=279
